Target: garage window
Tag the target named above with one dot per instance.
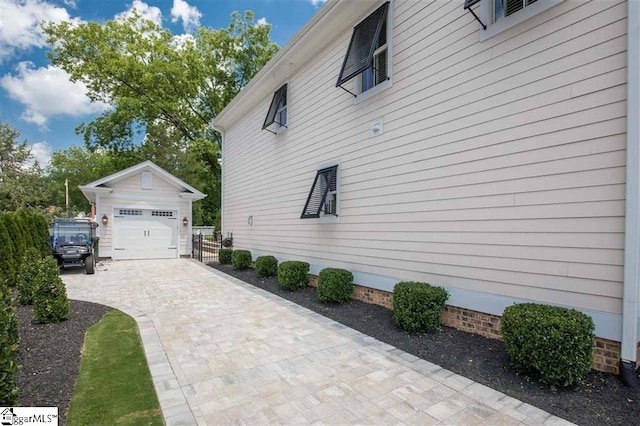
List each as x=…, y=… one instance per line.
x=129, y=212
x=161, y=213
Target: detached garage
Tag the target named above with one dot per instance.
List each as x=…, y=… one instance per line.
x=144, y=212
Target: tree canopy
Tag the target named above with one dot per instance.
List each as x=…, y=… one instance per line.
x=20, y=174
x=149, y=76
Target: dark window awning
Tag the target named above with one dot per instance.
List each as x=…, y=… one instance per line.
x=467, y=6
x=278, y=96
x=325, y=181
x=359, y=55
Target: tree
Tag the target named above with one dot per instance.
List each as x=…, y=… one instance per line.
x=149, y=77
x=20, y=176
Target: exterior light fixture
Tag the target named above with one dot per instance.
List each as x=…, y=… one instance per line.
x=105, y=219
x=185, y=221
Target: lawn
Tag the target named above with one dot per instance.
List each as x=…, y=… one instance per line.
x=114, y=385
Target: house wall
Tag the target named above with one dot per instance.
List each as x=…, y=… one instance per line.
x=127, y=193
x=500, y=173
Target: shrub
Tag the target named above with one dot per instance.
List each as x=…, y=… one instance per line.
x=266, y=266
x=551, y=343
x=241, y=259
x=50, y=303
x=293, y=274
x=417, y=306
x=224, y=256
x=26, y=275
x=41, y=226
x=7, y=266
x=335, y=285
x=8, y=348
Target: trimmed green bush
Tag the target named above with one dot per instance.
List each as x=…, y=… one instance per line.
x=241, y=259
x=8, y=347
x=27, y=272
x=550, y=343
x=41, y=225
x=266, y=266
x=293, y=274
x=417, y=306
x=335, y=285
x=50, y=303
x=224, y=256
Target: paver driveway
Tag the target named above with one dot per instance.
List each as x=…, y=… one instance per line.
x=221, y=351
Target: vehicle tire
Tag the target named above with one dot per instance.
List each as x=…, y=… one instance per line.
x=90, y=265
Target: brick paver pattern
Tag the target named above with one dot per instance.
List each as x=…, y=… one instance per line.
x=224, y=352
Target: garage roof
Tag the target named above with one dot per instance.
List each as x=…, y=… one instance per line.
x=105, y=184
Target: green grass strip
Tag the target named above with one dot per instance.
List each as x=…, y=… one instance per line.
x=114, y=386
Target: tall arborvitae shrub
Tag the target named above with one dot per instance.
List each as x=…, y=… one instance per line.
x=27, y=273
x=11, y=221
x=42, y=234
x=8, y=348
x=7, y=265
x=50, y=303
x=24, y=219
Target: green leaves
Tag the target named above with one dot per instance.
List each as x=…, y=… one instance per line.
x=552, y=343
x=335, y=285
x=417, y=306
x=266, y=266
x=293, y=274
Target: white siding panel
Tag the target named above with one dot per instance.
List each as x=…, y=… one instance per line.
x=501, y=168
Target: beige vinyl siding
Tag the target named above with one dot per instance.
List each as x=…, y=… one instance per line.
x=501, y=168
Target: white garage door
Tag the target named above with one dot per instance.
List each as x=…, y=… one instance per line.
x=145, y=234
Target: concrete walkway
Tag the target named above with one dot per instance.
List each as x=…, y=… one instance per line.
x=221, y=352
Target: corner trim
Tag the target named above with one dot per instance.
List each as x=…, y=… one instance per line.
x=631, y=292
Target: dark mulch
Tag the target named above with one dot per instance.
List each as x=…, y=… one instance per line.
x=49, y=355
x=601, y=399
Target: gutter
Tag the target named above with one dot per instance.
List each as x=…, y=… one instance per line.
x=631, y=290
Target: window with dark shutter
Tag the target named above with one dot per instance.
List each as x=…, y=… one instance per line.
x=504, y=8
x=364, y=42
x=277, y=110
x=324, y=183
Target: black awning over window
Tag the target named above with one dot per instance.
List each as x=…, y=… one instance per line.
x=326, y=181
x=278, y=97
x=363, y=43
x=469, y=3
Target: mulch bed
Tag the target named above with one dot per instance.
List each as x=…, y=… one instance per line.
x=49, y=355
x=601, y=399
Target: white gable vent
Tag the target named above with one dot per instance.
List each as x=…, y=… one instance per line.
x=146, y=180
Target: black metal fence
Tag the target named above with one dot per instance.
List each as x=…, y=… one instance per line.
x=206, y=247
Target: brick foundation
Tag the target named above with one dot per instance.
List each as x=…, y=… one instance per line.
x=606, y=354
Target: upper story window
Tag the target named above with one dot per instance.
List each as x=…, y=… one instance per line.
x=276, y=119
x=323, y=197
x=504, y=8
x=368, y=58
x=497, y=16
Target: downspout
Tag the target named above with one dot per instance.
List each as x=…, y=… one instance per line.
x=631, y=291
x=221, y=131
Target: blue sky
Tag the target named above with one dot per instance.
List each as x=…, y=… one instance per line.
x=40, y=101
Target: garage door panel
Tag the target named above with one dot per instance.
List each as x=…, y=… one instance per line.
x=144, y=234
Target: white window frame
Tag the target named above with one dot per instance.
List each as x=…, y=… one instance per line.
x=279, y=128
x=329, y=218
x=494, y=28
x=357, y=80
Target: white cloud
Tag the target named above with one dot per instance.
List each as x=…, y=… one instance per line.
x=261, y=21
x=71, y=3
x=20, y=26
x=46, y=92
x=190, y=15
x=316, y=3
x=150, y=13
x=41, y=152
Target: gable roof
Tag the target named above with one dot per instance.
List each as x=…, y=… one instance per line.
x=104, y=185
